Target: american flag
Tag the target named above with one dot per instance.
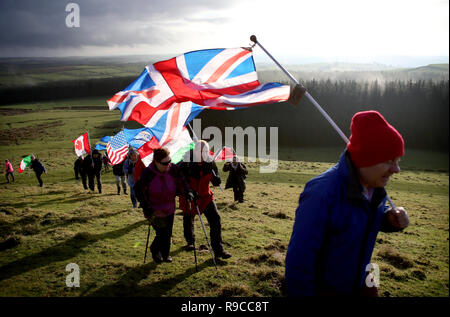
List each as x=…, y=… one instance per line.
x=117, y=148
x=222, y=79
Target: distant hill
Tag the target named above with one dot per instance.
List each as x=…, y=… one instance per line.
x=18, y=72
x=358, y=72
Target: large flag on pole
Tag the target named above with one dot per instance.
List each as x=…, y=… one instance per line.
x=223, y=79
x=117, y=148
x=82, y=145
x=26, y=161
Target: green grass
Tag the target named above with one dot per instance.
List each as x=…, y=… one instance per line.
x=44, y=229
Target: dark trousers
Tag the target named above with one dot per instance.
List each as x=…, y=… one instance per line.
x=212, y=215
x=83, y=180
x=38, y=176
x=91, y=181
x=238, y=194
x=163, y=228
x=7, y=176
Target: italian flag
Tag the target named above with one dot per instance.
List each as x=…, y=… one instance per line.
x=82, y=145
x=26, y=161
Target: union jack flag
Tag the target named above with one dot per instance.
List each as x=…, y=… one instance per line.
x=221, y=79
x=117, y=148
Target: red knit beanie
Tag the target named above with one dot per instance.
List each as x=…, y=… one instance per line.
x=373, y=139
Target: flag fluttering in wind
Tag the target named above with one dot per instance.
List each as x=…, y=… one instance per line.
x=225, y=153
x=138, y=137
x=177, y=146
x=101, y=144
x=168, y=131
x=117, y=148
x=81, y=145
x=173, y=121
x=223, y=79
x=26, y=161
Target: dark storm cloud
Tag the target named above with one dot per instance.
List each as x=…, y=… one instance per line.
x=26, y=24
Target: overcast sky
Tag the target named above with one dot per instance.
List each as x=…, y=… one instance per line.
x=349, y=30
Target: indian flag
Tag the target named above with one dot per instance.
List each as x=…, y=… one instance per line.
x=26, y=161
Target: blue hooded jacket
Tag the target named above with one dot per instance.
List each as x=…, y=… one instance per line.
x=334, y=233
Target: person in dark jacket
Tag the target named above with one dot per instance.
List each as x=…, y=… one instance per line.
x=38, y=169
x=79, y=171
x=92, y=164
x=106, y=161
x=156, y=190
x=120, y=177
x=236, y=178
x=341, y=211
x=199, y=170
x=128, y=168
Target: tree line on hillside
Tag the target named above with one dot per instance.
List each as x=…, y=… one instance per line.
x=418, y=109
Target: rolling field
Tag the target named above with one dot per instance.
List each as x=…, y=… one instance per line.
x=44, y=229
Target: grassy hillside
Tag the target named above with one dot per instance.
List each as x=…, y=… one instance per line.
x=44, y=229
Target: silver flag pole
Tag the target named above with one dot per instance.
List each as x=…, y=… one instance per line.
x=313, y=101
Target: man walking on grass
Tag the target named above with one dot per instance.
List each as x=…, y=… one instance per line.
x=38, y=169
x=341, y=211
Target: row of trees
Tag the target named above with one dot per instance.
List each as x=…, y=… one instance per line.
x=418, y=109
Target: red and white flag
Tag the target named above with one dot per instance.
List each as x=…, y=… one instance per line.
x=225, y=153
x=82, y=145
x=117, y=148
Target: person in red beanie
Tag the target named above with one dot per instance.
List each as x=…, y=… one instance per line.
x=341, y=211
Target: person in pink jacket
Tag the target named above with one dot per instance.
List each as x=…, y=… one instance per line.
x=9, y=170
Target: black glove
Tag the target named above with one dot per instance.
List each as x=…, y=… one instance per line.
x=216, y=181
x=190, y=196
x=296, y=94
x=148, y=213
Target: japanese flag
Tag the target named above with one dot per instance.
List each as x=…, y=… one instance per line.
x=82, y=145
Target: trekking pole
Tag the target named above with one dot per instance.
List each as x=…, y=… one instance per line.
x=195, y=248
x=146, y=245
x=314, y=102
x=195, y=256
x=206, y=236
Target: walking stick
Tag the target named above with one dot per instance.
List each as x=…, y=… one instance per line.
x=195, y=255
x=146, y=245
x=311, y=99
x=206, y=236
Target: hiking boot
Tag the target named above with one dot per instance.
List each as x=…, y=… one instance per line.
x=168, y=259
x=157, y=257
x=203, y=247
x=190, y=247
x=125, y=191
x=224, y=255
x=118, y=190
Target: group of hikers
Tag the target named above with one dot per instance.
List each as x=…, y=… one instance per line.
x=339, y=215
x=156, y=187
x=35, y=165
x=337, y=221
